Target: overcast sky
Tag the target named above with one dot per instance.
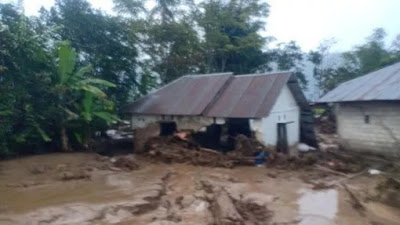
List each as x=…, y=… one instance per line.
x=306, y=21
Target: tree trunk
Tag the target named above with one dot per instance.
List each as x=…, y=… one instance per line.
x=64, y=140
x=87, y=137
x=223, y=64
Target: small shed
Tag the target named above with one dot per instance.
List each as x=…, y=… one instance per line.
x=367, y=112
x=268, y=107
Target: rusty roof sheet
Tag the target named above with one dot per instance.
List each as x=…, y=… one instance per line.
x=383, y=84
x=188, y=95
x=214, y=95
x=249, y=96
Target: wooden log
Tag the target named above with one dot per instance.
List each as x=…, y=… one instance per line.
x=325, y=169
x=225, y=211
x=210, y=150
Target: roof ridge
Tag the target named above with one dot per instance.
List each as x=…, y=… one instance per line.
x=208, y=74
x=262, y=74
x=218, y=95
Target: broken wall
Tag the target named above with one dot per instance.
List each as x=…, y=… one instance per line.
x=142, y=121
x=194, y=123
x=141, y=135
x=148, y=126
x=369, y=127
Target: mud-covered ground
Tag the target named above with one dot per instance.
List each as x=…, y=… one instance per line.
x=79, y=188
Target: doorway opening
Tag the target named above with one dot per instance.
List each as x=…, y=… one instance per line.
x=238, y=126
x=167, y=128
x=282, y=142
x=223, y=137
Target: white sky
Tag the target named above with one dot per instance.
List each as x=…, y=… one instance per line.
x=306, y=21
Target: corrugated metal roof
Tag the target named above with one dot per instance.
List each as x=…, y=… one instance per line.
x=223, y=95
x=249, y=96
x=188, y=95
x=383, y=84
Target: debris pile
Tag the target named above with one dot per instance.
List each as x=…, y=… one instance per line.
x=325, y=124
x=245, y=146
x=73, y=175
x=251, y=211
x=175, y=149
x=285, y=161
x=126, y=163
x=171, y=149
x=389, y=192
x=330, y=155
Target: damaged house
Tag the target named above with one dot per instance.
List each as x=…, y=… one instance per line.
x=217, y=107
x=367, y=111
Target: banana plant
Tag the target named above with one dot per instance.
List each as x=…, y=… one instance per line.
x=91, y=109
x=72, y=86
x=67, y=79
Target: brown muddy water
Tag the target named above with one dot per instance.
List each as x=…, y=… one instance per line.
x=33, y=192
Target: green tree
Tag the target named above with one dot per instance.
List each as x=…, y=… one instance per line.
x=72, y=85
x=231, y=35
x=165, y=9
x=101, y=40
x=288, y=56
x=168, y=40
x=26, y=112
x=319, y=59
x=362, y=59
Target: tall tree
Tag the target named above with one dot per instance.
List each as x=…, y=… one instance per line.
x=169, y=43
x=101, y=40
x=288, y=56
x=320, y=60
x=362, y=59
x=25, y=80
x=231, y=35
x=165, y=9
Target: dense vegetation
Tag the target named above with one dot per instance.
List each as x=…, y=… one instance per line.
x=67, y=73
x=362, y=59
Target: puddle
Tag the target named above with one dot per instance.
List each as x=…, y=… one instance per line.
x=318, y=207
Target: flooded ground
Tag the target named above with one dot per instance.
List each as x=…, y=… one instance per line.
x=318, y=207
x=34, y=191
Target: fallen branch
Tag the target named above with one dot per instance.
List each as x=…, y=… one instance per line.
x=355, y=201
x=318, y=186
x=325, y=169
x=348, y=178
x=210, y=150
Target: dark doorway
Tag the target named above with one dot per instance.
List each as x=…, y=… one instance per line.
x=238, y=126
x=210, y=138
x=167, y=128
x=282, y=143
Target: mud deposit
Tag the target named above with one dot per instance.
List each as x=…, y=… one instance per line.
x=34, y=190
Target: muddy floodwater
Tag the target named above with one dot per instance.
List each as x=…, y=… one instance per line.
x=318, y=207
x=41, y=190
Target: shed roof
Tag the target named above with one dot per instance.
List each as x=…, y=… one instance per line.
x=383, y=84
x=214, y=95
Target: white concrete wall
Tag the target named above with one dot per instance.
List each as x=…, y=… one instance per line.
x=285, y=110
x=381, y=135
